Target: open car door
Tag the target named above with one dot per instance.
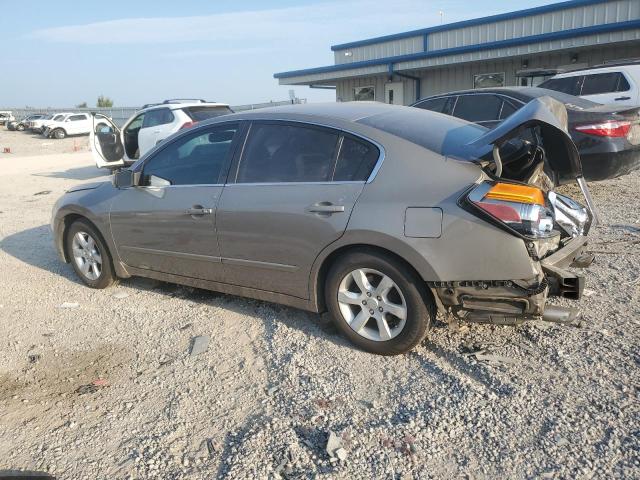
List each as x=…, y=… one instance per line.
x=105, y=140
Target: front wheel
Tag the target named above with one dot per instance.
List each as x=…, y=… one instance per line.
x=89, y=255
x=59, y=134
x=379, y=303
x=20, y=127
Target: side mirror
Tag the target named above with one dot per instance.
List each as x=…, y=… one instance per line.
x=125, y=178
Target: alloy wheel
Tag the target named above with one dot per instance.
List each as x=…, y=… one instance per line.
x=86, y=255
x=372, y=304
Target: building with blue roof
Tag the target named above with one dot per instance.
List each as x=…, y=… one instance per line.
x=517, y=48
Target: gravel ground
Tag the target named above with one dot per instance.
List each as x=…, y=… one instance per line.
x=24, y=144
x=101, y=384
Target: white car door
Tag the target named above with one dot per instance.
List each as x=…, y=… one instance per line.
x=74, y=124
x=610, y=87
x=154, y=128
x=105, y=141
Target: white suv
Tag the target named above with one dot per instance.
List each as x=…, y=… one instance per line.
x=68, y=124
x=113, y=147
x=619, y=84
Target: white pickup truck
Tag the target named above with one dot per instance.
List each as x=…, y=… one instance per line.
x=67, y=124
x=5, y=117
x=37, y=125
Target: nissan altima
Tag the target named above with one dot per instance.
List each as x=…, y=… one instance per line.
x=379, y=215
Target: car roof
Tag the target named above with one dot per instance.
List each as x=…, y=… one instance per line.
x=177, y=106
x=600, y=69
x=345, y=111
x=524, y=94
x=431, y=130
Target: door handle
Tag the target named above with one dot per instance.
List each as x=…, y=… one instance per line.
x=325, y=207
x=197, y=210
x=623, y=98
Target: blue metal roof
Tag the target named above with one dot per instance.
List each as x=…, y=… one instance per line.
x=563, y=34
x=468, y=23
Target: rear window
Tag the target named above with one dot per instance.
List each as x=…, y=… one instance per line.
x=429, y=130
x=198, y=114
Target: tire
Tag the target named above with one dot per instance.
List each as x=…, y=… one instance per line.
x=89, y=255
x=361, y=323
x=20, y=127
x=58, y=133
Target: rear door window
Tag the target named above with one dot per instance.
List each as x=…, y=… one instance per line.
x=280, y=152
x=478, y=108
x=160, y=116
x=75, y=118
x=440, y=105
x=356, y=160
x=198, y=114
x=604, y=83
x=507, y=110
x=570, y=85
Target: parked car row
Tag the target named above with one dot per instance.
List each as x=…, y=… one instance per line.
x=148, y=127
x=607, y=136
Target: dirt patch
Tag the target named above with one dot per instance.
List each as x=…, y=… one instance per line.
x=25, y=144
x=59, y=375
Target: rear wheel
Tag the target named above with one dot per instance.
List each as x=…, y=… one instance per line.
x=379, y=303
x=59, y=133
x=20, y=127
x=89, y=255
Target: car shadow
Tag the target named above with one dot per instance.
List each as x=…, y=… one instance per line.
x=34, y=247
x=78, y=173
x=309, y=323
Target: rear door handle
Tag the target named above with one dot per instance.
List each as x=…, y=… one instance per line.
x=325, y=207
x=199, y=210
x=623, y=98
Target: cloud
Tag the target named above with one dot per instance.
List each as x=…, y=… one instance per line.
x=337, y=21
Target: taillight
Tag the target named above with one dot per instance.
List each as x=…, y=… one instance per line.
x=611, y=128
x=188, y=125
x=519, y=207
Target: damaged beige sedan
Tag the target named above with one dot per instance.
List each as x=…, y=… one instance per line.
x=379, y=215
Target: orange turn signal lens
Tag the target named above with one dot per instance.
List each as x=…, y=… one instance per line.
x=516, y=193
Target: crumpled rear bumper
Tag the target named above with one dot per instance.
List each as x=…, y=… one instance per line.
x=563, y=282
x=514, y=301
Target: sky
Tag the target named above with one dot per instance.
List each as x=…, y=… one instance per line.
x=143, y=51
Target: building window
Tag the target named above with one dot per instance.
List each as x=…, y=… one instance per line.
x=364, y=94
x=488, y=80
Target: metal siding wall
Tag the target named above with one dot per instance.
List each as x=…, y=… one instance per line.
x=573, y=43
x=380, y=50
x=610, y=12
x=460, y=77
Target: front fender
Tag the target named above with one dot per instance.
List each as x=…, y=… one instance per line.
x=93, y=205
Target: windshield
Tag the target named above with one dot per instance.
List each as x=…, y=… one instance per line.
x=57, y=118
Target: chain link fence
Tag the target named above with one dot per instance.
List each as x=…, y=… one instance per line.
x=120, y=115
